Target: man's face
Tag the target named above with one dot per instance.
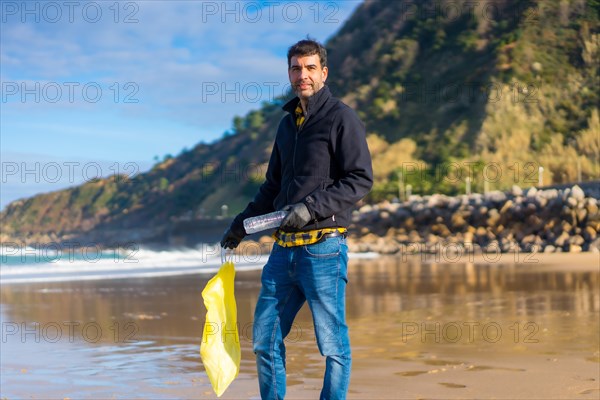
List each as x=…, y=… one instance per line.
x=306, y=75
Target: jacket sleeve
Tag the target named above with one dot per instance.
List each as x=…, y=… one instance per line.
x=351, y=153
x=263, y=201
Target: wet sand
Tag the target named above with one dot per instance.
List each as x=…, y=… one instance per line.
x=420, y=328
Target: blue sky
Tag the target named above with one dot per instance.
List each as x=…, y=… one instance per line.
x=88, y=84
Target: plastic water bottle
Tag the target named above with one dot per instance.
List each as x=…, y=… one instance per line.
x=263, y=222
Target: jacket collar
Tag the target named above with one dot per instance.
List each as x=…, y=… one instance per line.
x=314, y=102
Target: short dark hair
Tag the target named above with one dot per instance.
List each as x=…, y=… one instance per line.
x=307, y=47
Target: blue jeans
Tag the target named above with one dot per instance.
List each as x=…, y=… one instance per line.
x=318, y=274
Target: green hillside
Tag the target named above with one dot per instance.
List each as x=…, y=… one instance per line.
x=505, y=89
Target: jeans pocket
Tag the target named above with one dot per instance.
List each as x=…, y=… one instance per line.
x=328, y=248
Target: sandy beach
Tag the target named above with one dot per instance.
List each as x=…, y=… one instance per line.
x=420, y=328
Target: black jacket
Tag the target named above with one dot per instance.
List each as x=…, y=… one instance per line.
x=325, y=164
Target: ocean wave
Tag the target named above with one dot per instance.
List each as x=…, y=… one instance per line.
x=35, y=266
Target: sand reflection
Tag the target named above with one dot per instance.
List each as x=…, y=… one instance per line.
x=409, y=320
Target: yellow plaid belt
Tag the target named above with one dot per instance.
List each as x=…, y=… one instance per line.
x=290, y=239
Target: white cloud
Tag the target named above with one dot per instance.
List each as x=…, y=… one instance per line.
x=174, y=50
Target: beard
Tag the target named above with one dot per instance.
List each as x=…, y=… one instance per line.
x=308, y=91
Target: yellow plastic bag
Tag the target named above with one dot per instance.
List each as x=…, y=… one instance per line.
x=220, y=348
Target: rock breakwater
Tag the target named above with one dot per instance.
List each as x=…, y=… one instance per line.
x=532, y=220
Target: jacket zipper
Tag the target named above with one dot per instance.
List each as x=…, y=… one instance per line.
x=298, y=130
x=287, y=193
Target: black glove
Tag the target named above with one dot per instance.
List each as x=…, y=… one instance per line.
x=298, y=216
x=232, y=237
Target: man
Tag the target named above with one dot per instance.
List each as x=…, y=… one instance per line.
x=319, y=168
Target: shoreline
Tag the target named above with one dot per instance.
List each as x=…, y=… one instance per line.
x=581, y=262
